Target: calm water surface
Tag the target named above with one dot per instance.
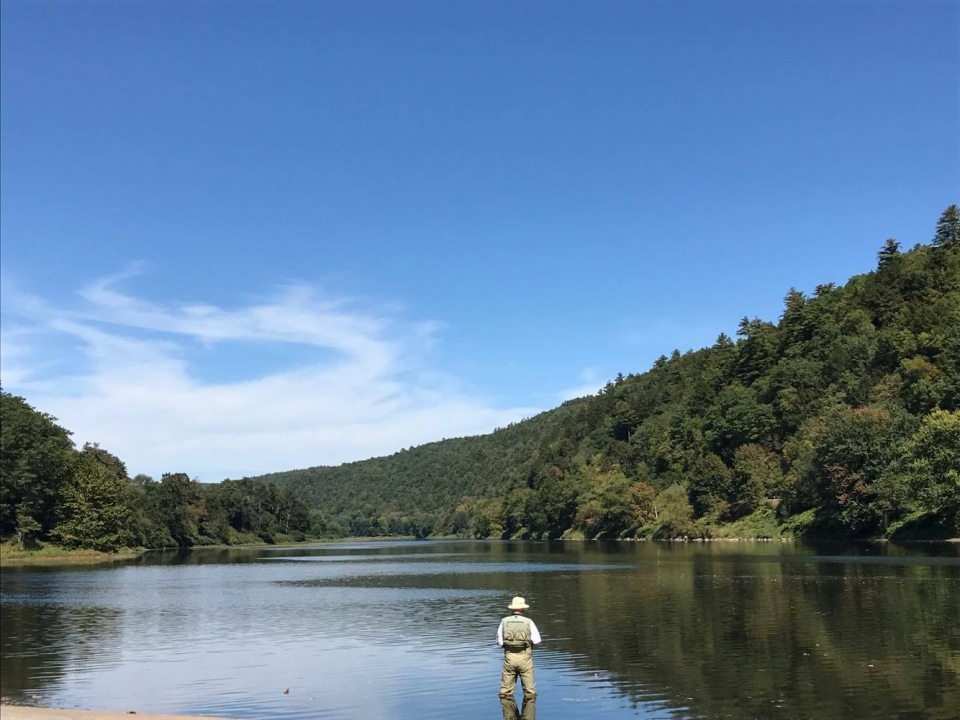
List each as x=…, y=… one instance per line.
x=404, y=630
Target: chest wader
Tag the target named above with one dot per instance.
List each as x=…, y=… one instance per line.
x=517, y=657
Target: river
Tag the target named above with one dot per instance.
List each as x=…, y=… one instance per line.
x=404, y=630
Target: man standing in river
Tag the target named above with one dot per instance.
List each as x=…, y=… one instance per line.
x=517, y=635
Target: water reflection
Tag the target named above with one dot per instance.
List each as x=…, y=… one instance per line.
x=510, y=711
x=407, y=631
x=43, y=633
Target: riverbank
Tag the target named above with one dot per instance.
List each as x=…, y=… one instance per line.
x=49, y=554
x=53, y=555
x=18, y=712
x=11, y=556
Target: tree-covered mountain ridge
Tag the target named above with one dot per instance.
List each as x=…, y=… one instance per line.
x=841, y=418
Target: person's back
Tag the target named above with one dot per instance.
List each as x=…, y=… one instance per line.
x=517, y=635
x=515, y=630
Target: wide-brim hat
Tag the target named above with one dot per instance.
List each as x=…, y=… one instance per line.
x=518, y=604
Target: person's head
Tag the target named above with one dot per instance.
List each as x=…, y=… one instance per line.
x=518, y=605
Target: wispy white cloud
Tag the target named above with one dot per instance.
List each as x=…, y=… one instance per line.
x=133, y=388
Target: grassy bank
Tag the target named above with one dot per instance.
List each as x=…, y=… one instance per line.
x=49, y=554
x=12, y=556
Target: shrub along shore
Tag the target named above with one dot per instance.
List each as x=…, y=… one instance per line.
x=13, y=556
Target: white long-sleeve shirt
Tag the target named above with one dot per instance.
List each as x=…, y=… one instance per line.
x=534, y=633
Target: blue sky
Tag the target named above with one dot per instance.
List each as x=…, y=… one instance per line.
x=249, y=236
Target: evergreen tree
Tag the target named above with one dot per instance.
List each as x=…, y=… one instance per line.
x=948, y=228
x=888, y=253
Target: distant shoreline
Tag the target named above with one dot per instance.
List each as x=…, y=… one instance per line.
x=53, y=555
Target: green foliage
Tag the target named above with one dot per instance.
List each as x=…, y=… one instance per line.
x=35, y=464
x=853, y=454
x=487, y=519
x=114, y=465
x=95, y=513
x=756, y=477
x=556, y=503
x=888, y=254
x=85, y=499
x=28, y=531
x=948, y=228
x=180, y=505
x=178, y=511
x=737, y=417
x=605, y=510
x=709, y=486
x=674, y=515
x=762, y=523
x=642, y=501
x=933, y=466
x=801, y=524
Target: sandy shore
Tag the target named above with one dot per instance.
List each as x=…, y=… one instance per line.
x=15, y=712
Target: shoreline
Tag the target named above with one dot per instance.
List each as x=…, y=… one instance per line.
x=29, y=712
x=52, y=555
x=790, y=538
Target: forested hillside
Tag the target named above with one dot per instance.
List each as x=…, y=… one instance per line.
x=417, y=491
x=839, y=419
x=49, y=491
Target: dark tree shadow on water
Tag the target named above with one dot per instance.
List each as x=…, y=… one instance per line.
x=510, y=711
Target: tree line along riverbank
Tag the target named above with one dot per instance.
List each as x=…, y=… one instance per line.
x=54, y=497
x=841, y=419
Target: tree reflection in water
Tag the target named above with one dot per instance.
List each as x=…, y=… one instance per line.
x=630, y=630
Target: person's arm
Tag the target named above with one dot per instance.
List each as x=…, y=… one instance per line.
x=500, y=634
x=534, y=633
